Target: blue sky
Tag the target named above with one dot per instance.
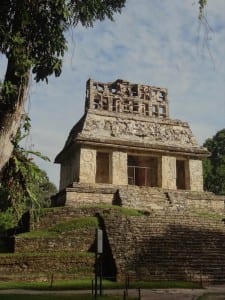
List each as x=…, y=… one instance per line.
x=158, y=43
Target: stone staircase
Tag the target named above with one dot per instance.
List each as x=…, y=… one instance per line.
x=43, y=267
x=144, y=198
x=157, y=199
x=168, y=246
x=139, y=197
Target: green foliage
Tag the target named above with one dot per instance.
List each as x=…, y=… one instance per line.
x=88, y=11
x=209, y=215
x=38, y=234
x=7, y=90
x=77, y=223
x=202, y=5
x=86, y=284
x=33, y=31
x=43, y=189
x=7, y=219
x=214, y=166
x=23, y=184
x=118, y=209
x=74, y=224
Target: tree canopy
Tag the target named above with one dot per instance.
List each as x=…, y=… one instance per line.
x=214, y=166
x=32, y=33
x=32, y=38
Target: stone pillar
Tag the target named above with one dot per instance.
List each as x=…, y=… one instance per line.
x=65, y=174
x=119, y=168
x=87, y=165
x=196, y=176
x=168, y=172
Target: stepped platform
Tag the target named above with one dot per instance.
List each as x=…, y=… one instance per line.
x=59, y=244
x=168, y=246
x=149, y=234
x=138, y=197
x=41, y=267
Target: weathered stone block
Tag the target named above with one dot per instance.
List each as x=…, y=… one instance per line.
x=169, y=172
x=195, y=173
x=119, y=168
x=87, y=165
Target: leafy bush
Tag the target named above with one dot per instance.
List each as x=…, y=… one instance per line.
x=23, y=184
x=214, y=166
x=7, y=220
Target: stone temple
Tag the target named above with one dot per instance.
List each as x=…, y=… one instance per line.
x=125, y=151
x=126, y=138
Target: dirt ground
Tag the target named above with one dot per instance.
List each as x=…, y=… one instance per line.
x=147, y=294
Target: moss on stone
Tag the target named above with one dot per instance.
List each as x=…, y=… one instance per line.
x=118, y=209
x=38, y=234
x=74, y=224
x=209, y=215
x=56, y=230
x=44, y=254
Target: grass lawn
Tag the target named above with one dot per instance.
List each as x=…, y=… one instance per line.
x=62, y=227
x=59, y=297
x=83, y=284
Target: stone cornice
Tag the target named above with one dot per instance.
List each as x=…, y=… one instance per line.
x=198, y=152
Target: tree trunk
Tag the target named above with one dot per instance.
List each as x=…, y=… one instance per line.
x=12, y=100
x=11, y=110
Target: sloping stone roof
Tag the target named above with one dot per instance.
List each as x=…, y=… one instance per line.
x=130, y=115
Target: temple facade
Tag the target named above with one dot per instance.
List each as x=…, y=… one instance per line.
x=126, y=137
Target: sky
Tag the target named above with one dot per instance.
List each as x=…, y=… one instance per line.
x=159, y=43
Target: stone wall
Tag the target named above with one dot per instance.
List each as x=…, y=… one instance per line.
x=167, y=247
x=144, y=198
x=154, y=199
x=87, y=165
x=50, y=217
x=28, y=267
x=170, y=244
x=69, y=169
x=67, y=241
x=91, y=196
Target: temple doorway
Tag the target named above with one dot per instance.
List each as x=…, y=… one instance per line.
x=102, y=167
x=181, y=175
x=142, y=170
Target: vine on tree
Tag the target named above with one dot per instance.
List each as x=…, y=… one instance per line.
x=19, y=181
